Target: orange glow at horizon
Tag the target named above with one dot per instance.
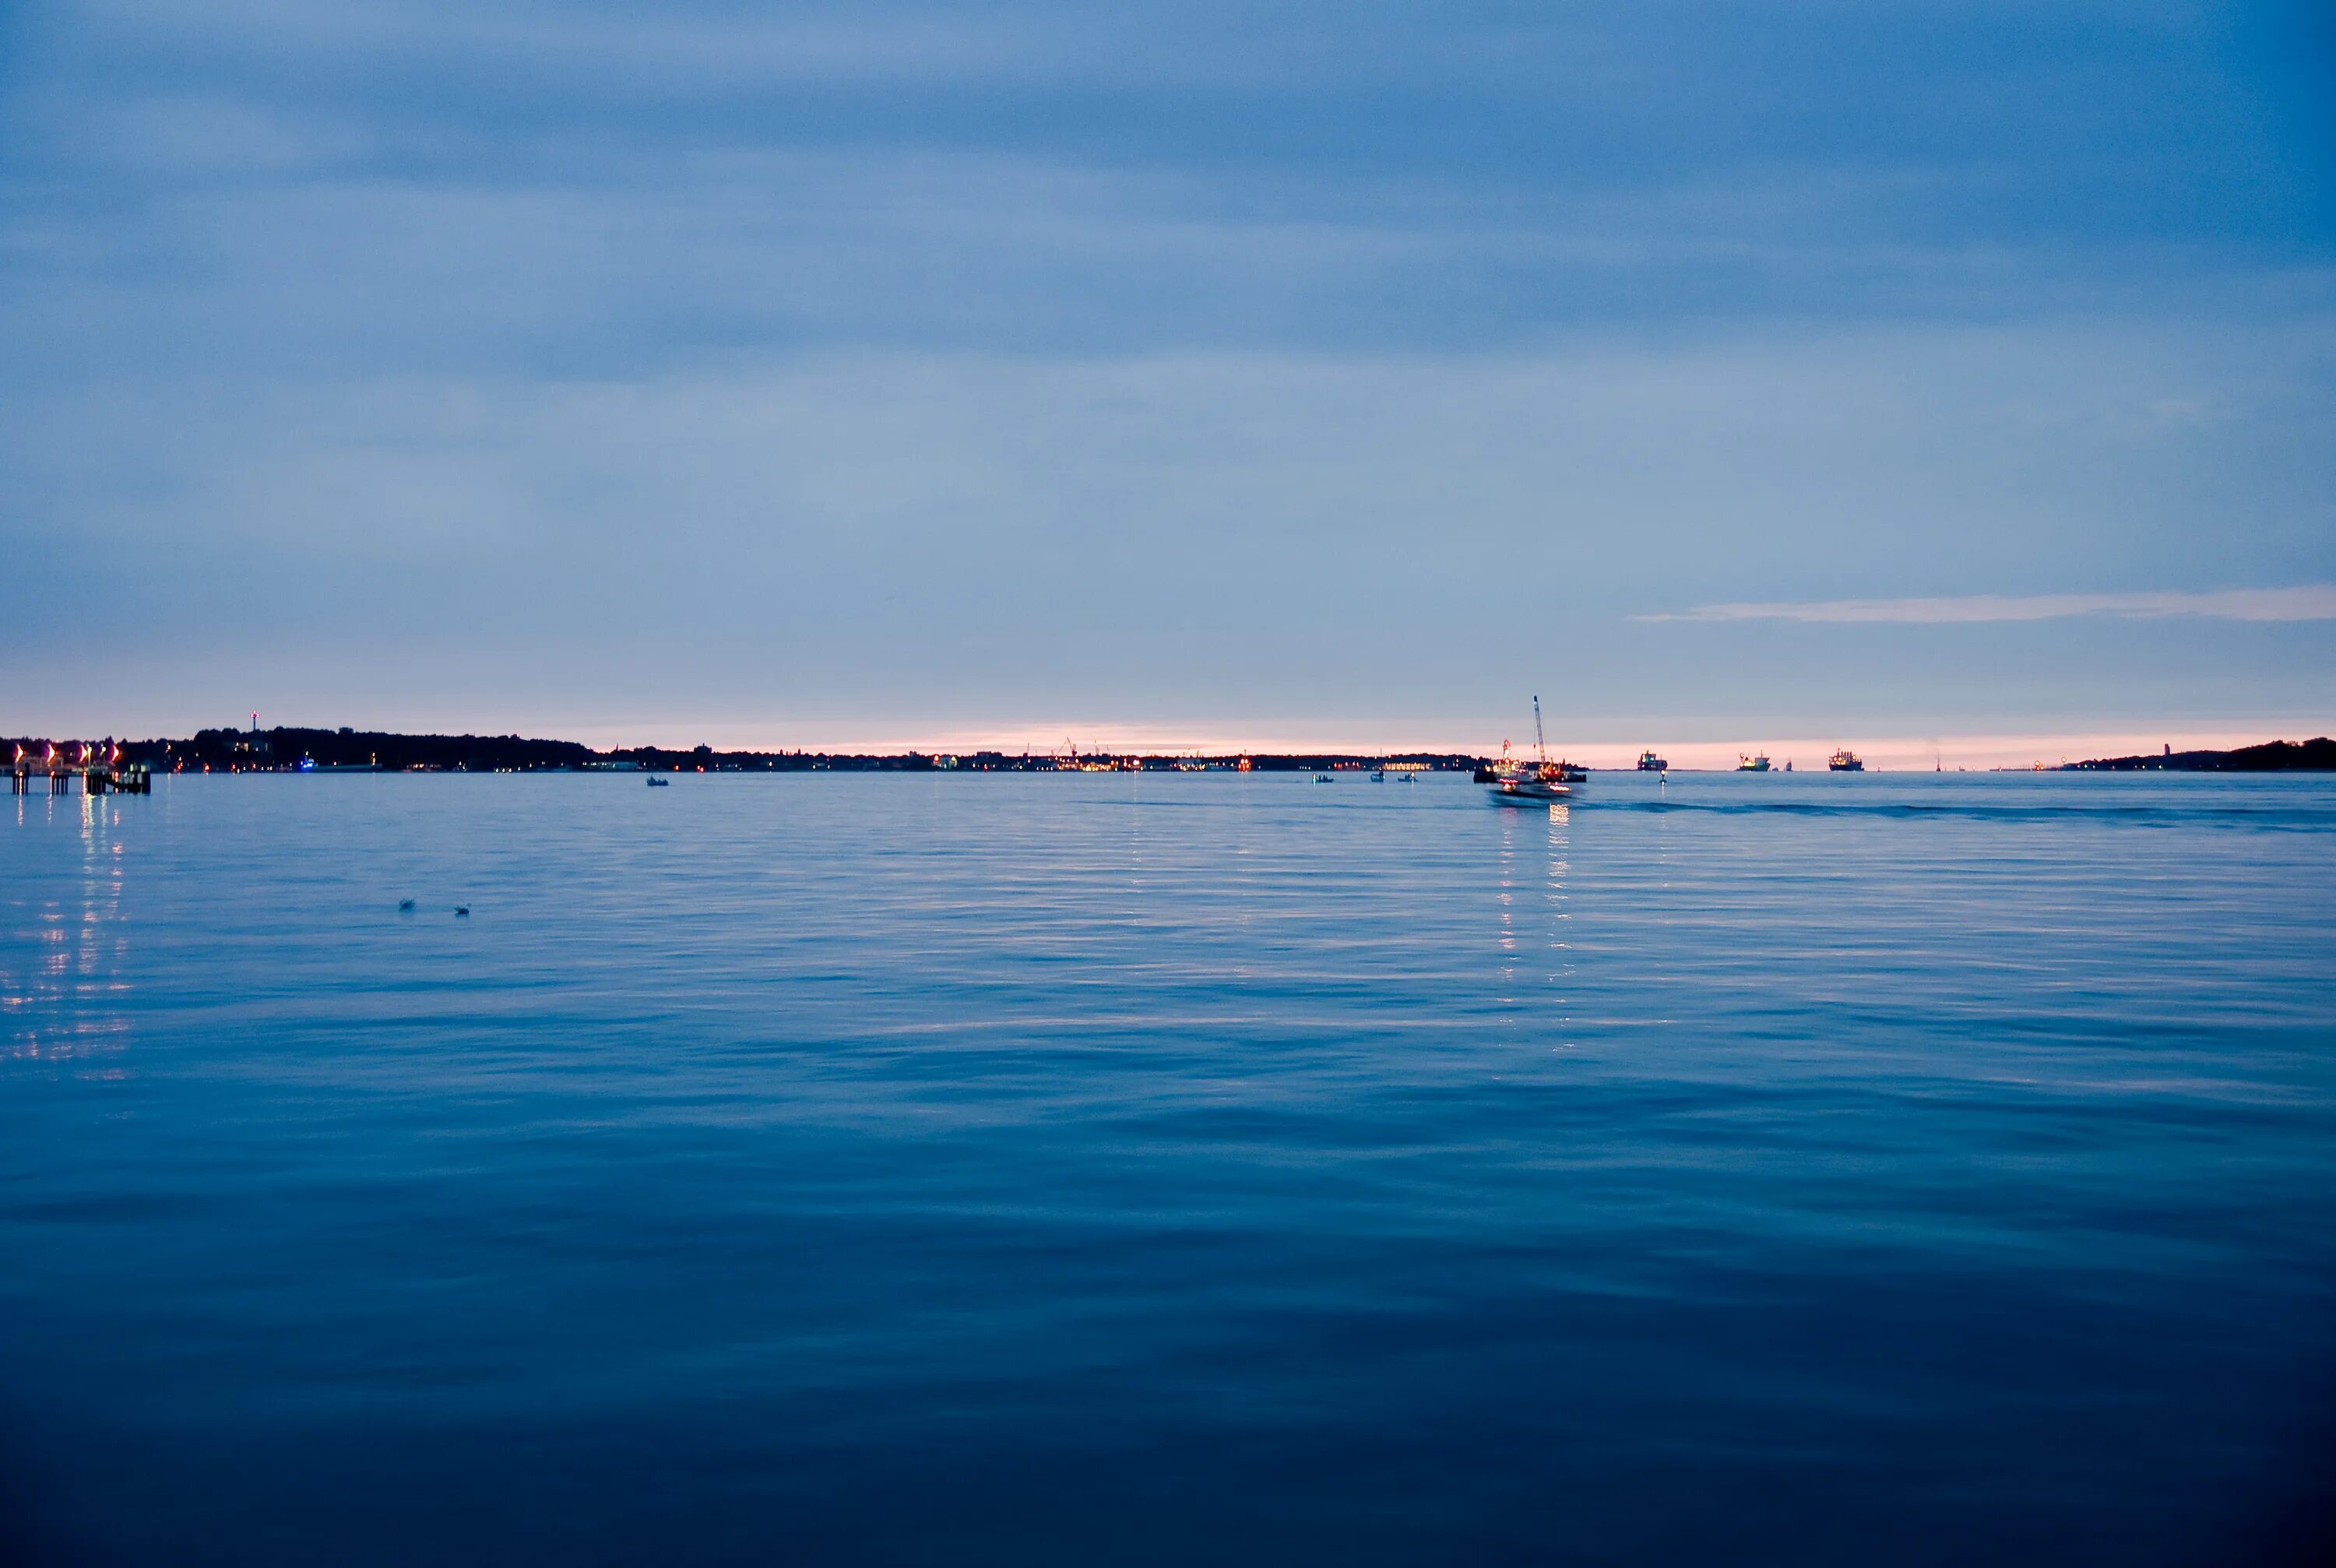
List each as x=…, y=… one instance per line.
x=1714, y=750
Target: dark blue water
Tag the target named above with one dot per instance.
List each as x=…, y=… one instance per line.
x=1160, y=1169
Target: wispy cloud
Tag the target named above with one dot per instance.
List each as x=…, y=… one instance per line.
x=2308, y=602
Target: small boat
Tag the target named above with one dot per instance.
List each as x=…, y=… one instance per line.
x=1529, y=789
x=1845, y=761
x=1324, y=778
x=659, y=783
x=1649, y=763
x=1543, y=783
x=1378, y=775
x=1752, y=764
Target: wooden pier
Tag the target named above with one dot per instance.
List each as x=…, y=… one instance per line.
x=100, y=774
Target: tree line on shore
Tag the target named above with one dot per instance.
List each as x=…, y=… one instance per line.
x=292, y=748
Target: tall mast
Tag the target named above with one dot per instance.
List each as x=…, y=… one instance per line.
x=1541, y=746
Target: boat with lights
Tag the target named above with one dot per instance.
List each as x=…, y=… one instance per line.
x=1544, y=783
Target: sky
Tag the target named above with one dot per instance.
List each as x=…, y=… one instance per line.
x=1954, y=379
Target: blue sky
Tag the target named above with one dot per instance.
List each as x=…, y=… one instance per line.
x=867, y=375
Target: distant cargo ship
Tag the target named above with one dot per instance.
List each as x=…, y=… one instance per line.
x=1752, y=764
x=1845, y=761
x=1649, y=763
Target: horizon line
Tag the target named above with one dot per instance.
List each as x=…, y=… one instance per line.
x=1899, y=752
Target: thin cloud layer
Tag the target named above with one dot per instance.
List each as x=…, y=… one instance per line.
x=2306, y=601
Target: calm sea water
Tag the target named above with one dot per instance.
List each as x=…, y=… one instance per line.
x=1160, y=1169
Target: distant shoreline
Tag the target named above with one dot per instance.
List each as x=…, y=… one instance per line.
x=290, y=749
x=295, y=749
x=2317, y=755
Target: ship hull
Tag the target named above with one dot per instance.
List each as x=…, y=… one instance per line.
x=1528, y=794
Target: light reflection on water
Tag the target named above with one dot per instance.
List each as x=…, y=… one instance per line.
x=65, y=973
x=1157, y=1168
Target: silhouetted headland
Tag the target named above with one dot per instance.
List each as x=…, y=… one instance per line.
x=2273, y=756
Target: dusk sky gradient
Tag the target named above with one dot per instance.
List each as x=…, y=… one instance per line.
x=871, y=374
